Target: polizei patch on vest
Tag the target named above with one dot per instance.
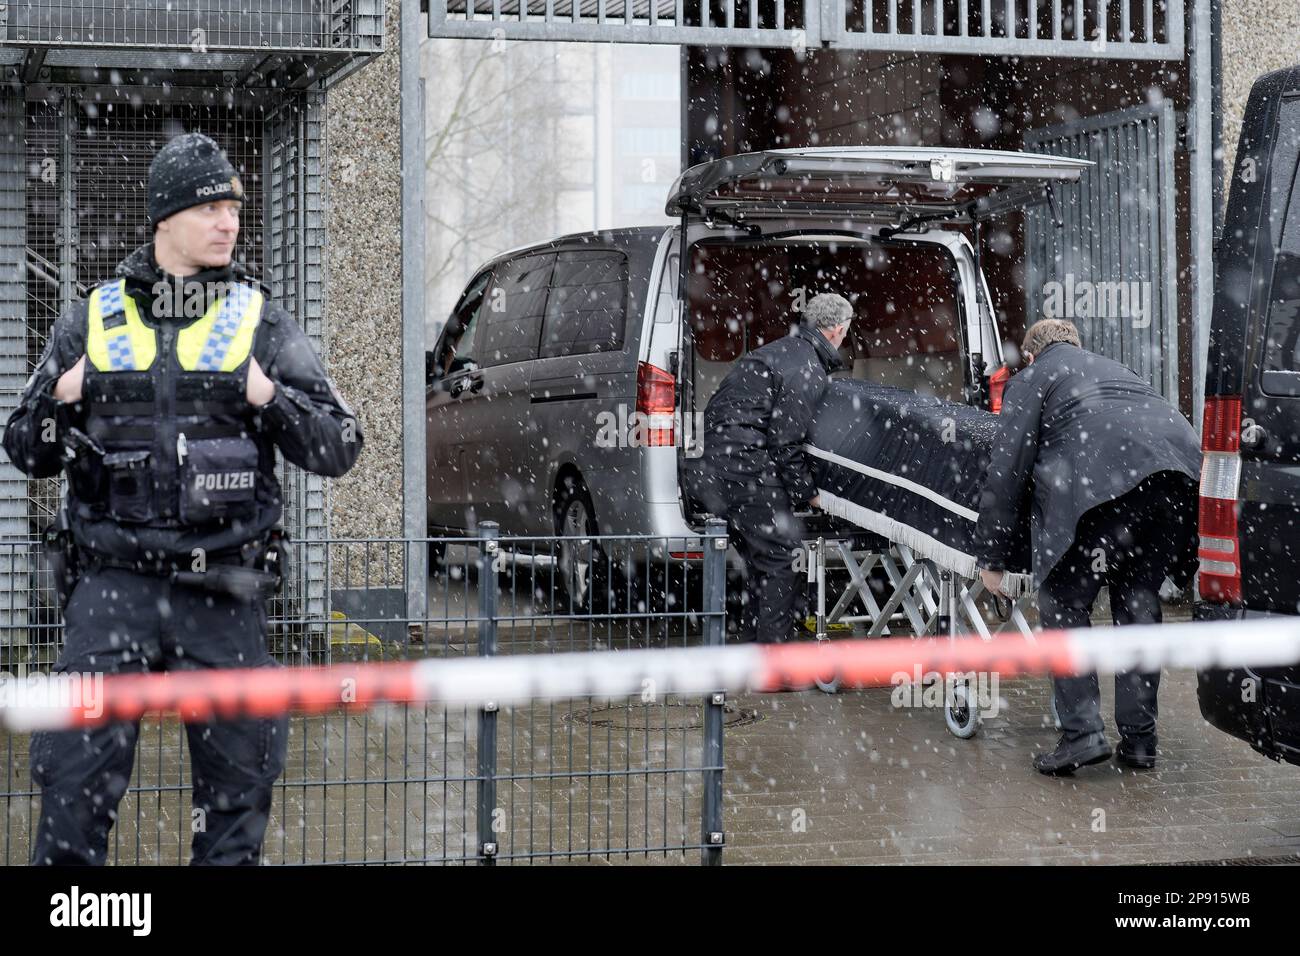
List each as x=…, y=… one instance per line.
x=224, y=481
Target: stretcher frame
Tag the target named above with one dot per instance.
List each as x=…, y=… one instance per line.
x=931, y=598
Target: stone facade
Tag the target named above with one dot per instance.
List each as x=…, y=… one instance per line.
x=364, y=300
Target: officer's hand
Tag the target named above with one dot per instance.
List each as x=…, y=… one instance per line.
x=992, y=580
x=68, y=387
x=260, y=389
x=815, y=501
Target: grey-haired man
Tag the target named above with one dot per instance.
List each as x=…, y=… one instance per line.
x=1105, y=471
x=753, y=471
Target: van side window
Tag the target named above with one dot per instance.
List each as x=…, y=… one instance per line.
x=463, y=327
x=1281, y=371
x=587, y=307
x=512, y=312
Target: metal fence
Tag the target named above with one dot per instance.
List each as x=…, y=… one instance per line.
x=306, y=25
x=560, y=780
x=1137, y=29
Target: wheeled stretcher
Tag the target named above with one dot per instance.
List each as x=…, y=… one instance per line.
x=899, y=477
x=925, y=594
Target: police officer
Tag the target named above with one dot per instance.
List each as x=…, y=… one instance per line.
x=165, y=395
x=753, y=471
x=1105, y=471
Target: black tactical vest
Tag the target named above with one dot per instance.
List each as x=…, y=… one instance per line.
x=168, y=407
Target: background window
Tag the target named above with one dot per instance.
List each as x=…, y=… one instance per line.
x=649, y=86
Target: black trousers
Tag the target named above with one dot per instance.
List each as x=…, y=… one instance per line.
x=764, y=530
x=1130, y=545
x=117, y=622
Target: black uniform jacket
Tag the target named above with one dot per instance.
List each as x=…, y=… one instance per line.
x=1077, y=430
x=756, y=422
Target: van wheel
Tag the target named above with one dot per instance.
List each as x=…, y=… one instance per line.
x=586, y=581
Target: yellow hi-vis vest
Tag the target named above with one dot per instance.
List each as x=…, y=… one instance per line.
x=117, y=340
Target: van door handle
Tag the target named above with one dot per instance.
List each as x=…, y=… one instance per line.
x=470, y=383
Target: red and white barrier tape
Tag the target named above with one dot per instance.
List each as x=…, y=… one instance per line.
x=65, y=701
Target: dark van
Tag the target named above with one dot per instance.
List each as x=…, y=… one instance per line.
x=1250, y=480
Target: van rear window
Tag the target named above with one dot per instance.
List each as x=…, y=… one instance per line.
x=587, y=306
x=1281, y=373
x=906, y=323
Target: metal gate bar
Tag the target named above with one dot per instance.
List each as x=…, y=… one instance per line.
x=1117, y=241
x=1097, y=29
x=629, y=21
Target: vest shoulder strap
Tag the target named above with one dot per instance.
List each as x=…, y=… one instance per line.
x=223, y=338
x=116, y=338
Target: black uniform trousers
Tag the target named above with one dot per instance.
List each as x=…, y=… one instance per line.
x=765, y=532
x=1129, y=544
x=118, y=621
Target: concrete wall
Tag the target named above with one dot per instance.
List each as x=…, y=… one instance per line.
x=364, y=299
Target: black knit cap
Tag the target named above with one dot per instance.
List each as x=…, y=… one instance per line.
x=190, y=170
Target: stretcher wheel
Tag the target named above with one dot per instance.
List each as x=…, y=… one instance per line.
x=831, y=683
x=960, y=712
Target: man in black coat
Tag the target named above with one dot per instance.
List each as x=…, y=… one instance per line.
x=1107, y=471
x=753, y=471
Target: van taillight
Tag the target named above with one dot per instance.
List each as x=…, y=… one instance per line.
x=997, y=384
x=1220, y=550
x=656, y=401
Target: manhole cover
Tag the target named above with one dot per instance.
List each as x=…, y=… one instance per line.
x=674, y=715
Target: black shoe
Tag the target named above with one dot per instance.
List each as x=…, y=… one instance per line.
x=1137, y=752
x=1070, y=755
